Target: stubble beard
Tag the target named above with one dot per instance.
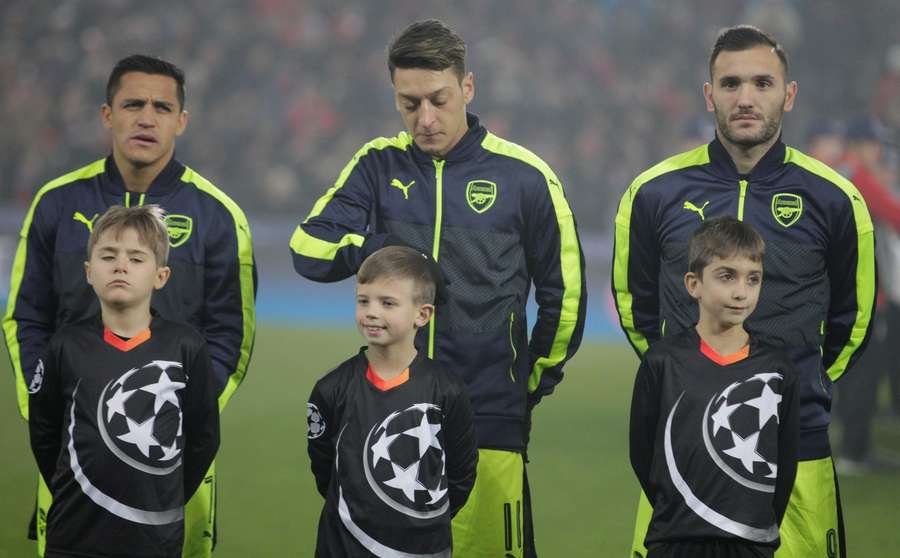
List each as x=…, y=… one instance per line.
x=772, y=123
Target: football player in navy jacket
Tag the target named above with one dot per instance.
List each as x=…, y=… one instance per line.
x=213, y=284
x=819, y=293
x=495, y=217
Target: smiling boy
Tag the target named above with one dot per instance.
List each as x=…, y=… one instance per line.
x=391, y=440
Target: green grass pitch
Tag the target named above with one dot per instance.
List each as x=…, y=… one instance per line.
x=585, y=494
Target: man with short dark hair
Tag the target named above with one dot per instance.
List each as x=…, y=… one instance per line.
x=819, y=288
x=495, y=218
x=214, y=275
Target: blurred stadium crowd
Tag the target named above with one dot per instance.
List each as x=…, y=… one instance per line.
x=282, y=92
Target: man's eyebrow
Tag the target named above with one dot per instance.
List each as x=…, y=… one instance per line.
x=427, y=95
x=139, y=101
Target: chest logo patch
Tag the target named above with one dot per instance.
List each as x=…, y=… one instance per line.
x=402, y=187
x=481, y=195
x=180, y=228
x=689, y=205
x=787, y=208
x=404, y=461
x=739, y=429
x=140, y=420
x=89, y=223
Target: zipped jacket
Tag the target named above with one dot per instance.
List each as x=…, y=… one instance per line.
x=212, y=286
x=495, y=218
x=819, y=281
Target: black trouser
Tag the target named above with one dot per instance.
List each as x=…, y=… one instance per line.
x=709, y=548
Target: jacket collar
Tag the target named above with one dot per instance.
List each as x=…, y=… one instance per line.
x=468, y=145
x=722, y=164
x=164, y=183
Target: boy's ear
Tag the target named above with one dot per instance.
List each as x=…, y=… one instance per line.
x=691, y=283
x=162, y=276
x=87, y=272
x=424, y=315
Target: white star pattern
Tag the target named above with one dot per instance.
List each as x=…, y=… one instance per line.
x=721, y=418
x=406, y=480
x=426, y=434
x=436, y=495
x=164, y=390
x=767, y=403
x=141, y=435
x=745, y=450
x=116, y=403
x=170, y=452
x=380, y=449
x=773, y=471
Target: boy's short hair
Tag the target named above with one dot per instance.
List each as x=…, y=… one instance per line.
x=400, y=262
x=723, y=237
x=147, y=220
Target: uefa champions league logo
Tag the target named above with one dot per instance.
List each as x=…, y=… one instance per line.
x=737, y=432
x=140, y=420
x=741, y=431
x=405, y=464
x=315, y=422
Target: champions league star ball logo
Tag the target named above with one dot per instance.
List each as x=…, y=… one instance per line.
x=140, y=420
x=740, y=431
x=737, y=429
x=315, y=422
x=405, y=464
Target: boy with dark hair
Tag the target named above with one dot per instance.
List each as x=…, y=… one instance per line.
x=714, y=416
x=391, y=441
x=124, y=419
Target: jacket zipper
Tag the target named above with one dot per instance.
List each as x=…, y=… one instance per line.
x=743, y=193
x=512, y=345
x=435, y=249
x=128, y=199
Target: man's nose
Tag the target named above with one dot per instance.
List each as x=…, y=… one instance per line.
x=745, y=96
x=426, y=114
x=147, y=116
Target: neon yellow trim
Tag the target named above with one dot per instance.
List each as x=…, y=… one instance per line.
x=663, y=329
x=512, y=345
x=436, y=245
x=245, y=261
x=865, y=259
x=312, y=247
x=306, y=245
x=624, y=299
x=741, y=196
x=569, y=256
x=141, y=199
x=127, y=199
x=10, y=326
